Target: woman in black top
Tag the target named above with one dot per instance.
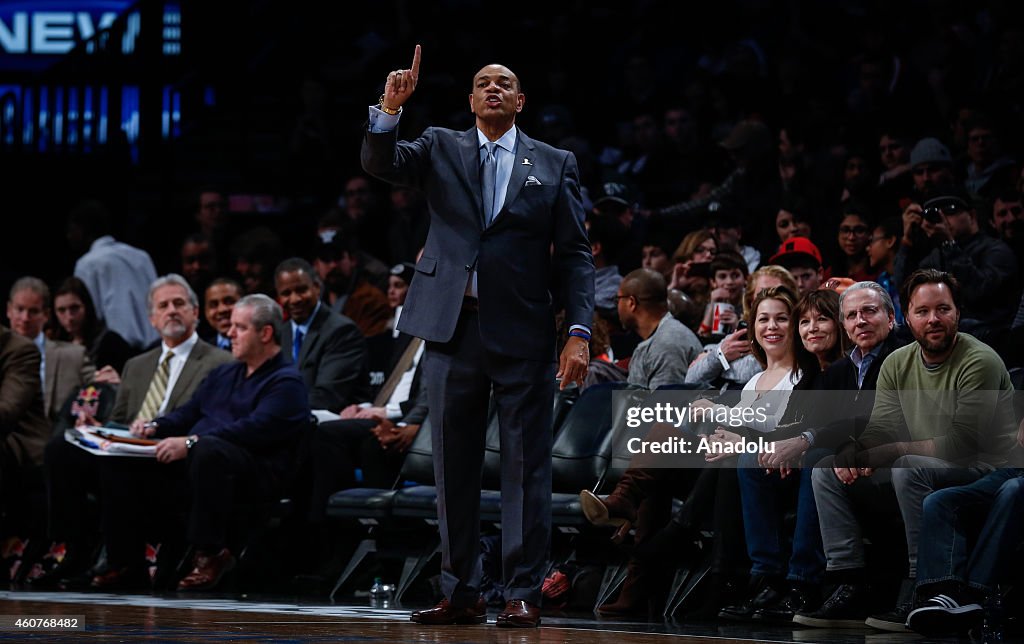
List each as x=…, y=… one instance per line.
x=74, y=320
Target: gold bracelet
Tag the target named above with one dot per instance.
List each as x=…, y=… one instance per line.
x=384, y=108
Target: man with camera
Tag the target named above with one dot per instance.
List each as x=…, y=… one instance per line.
x=949, y=221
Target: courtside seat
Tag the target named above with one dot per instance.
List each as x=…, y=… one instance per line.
x=361, y=502
x=374, y=506
x=376, y=503
x=416, y=502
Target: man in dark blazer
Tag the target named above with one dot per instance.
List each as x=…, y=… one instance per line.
x=326, y=347
x=72, y=472
x=23, y=426
x=23, y=429
x=506, y=221
x=66, y=366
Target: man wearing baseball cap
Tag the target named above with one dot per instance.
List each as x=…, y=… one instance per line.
x=802, y=258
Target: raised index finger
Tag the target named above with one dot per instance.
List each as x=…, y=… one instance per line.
x=416, y=62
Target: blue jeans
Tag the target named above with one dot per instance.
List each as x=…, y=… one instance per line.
x=764, y=499
x=996, y=502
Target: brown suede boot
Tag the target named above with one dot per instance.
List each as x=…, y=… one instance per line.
x=633, y=598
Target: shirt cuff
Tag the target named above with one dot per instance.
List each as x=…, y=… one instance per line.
x=394, y=410
x=381, y=122
x=580, y=327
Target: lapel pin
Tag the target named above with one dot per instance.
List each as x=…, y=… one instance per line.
x=526, y=161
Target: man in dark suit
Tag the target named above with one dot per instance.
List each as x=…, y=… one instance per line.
x=23, y=426
x=23, y=433
x=326, y=347
x=499, y=202
x=72, y=472
x=66, y=366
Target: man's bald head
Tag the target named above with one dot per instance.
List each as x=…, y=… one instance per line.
x=647, y=286
x=494, y=70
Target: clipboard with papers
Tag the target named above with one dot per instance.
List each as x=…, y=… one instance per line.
x=108, y=441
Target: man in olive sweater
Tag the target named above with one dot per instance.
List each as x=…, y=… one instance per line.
x=942, y=417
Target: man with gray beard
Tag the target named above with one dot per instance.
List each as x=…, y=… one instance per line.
x=153, y=383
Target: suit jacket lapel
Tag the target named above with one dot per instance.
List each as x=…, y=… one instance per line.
x=470, y=149
x=312, y=335
x=519, y=172
x=140, y=389
x=50, y=372
x=188, y=372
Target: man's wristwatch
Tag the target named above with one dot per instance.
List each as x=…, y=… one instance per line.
x=190, y=441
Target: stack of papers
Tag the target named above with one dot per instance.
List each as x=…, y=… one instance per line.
x=105, y=441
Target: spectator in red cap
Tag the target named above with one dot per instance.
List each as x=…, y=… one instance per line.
x=802, y=258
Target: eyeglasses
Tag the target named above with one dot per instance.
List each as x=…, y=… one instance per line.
x=853, y=230
x=875, y=239
x=892, y=147
x=1012, y=210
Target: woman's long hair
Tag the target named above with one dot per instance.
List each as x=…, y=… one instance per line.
x=90, y=325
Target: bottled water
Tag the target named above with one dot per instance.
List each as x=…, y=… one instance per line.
x=381, y=595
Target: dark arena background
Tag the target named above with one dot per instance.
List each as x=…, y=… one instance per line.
x=222, y=137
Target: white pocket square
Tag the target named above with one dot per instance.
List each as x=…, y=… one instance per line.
x=533, y=181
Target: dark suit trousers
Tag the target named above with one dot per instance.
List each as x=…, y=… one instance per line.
x=338, y=447
x=459, y=376
x=71, y=475
x=143, y=499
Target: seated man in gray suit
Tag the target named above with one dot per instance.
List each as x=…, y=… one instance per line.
x=65, y=366
x=326, y=347
x=152, y=384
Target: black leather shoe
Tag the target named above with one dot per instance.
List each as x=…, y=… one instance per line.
x=444, y=613
x=769, y=595
x=799, y=598
x=519, y=614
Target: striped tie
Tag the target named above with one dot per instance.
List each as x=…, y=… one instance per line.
x=157, y=390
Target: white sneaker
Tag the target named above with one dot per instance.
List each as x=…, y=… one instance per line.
x=943, y=615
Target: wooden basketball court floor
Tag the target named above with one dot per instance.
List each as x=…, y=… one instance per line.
x=186, y=618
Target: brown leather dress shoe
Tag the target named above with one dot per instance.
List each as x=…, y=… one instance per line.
x=519, y=614
x=127, y=578
x=208, y=570
x=445, y=613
